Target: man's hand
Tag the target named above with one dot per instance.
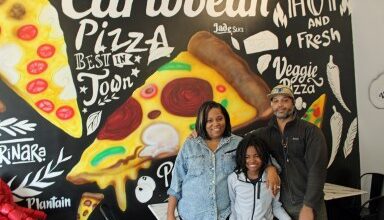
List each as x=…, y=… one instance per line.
x=273, y=179
x=306, y=213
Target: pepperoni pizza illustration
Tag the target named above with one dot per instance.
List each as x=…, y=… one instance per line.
x=88, y=202
x=34, y=62
x=155, y=121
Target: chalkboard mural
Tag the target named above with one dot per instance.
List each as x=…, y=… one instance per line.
x=97, y=97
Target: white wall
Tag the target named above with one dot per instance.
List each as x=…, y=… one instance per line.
x=368, y=43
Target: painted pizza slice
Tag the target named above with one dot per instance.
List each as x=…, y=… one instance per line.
x=88, y=203
x=34, y=62
x=158, y=117
x=315, y=112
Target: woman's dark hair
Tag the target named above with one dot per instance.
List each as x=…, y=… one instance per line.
x=261, y=149
x=202, y=117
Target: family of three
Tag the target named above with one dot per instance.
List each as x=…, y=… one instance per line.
x=219, y=175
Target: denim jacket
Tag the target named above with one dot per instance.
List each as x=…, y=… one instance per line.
x=199, y=179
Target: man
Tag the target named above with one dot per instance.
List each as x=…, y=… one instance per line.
x=300, y=148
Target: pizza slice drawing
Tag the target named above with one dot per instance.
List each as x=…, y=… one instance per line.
x=88, y=202
x=155, y=121
x=315, y=112
x=34, y=62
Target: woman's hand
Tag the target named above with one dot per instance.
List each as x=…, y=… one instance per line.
x=171, y=217
x=172, y=202
x=273, y=179
x=2, y=107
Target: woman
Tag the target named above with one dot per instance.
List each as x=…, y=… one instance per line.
x=199, y=179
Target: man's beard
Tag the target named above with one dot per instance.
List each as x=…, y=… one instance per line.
x=286, y=115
